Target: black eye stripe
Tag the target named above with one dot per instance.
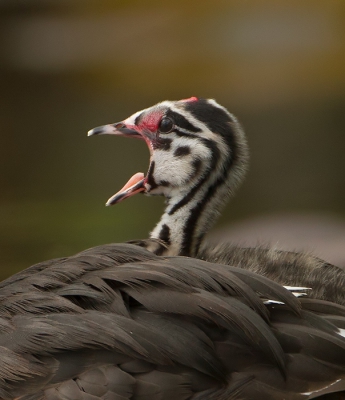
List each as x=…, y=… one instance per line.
x=184, y=134
x=181, y=122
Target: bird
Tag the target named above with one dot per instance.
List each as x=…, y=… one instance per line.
x=171, y=317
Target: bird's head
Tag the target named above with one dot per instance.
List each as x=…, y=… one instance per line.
x=191, y=141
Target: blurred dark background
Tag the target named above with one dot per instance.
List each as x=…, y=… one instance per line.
x=69, y=65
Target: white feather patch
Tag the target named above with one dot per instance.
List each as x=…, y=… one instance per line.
x=341, y=332
x=298, y=291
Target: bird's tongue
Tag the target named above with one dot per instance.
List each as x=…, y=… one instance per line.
x=133, y=186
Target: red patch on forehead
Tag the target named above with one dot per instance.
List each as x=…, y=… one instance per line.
x=150, y=121
x=191, y=99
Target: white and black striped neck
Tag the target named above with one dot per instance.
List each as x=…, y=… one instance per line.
x=198, y=157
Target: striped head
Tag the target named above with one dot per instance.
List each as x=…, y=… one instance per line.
x=198, y=156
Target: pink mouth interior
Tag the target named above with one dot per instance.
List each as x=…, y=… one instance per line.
x=136, y=183
x=133, y=186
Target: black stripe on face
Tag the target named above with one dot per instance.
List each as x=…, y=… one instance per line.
x=181, y=122
x=215, y=118
x=182, y=151
x=183, y=134
x=164, y=234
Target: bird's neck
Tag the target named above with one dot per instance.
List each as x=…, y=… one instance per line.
x=188, y=217
x=190, y=213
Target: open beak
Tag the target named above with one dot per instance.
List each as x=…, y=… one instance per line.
x=136, y=183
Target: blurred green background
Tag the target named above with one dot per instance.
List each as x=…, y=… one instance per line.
x=70, y=65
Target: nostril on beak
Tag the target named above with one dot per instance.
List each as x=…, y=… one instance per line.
x=119, y=125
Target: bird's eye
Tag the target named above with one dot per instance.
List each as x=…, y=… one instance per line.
x=166, y=125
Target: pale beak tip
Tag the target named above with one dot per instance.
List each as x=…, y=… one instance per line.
x=101, y=130
x=93, y=131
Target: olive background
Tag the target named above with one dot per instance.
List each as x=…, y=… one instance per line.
x=68, y=66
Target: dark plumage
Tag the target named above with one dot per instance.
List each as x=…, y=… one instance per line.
x=118, y=322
